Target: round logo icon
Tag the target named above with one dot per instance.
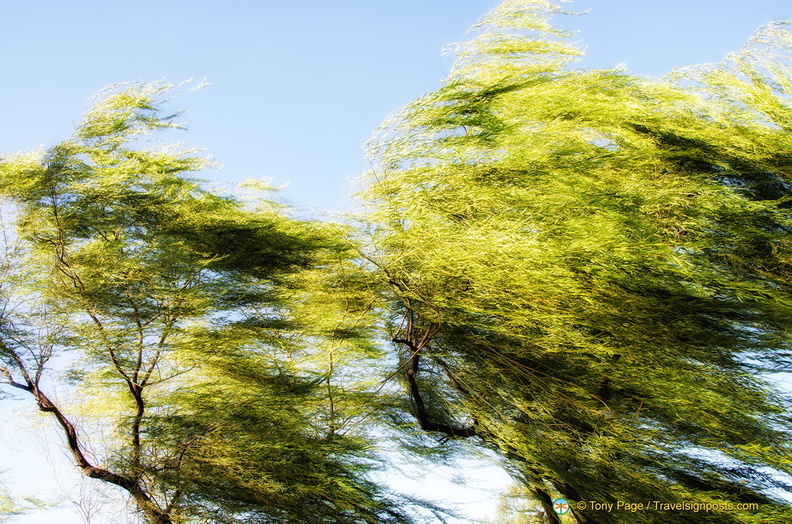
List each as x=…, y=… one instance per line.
x=561, y=506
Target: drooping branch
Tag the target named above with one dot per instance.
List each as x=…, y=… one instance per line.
x=142, y=499
x=420, y=408
x=9, y=379
x=453, y=378
x=416, y=344
x=546, y=502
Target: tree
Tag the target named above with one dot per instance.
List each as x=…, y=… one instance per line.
x=175, y=315
x=590, y=269
x=8, y=506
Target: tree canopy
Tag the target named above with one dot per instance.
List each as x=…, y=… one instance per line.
x=202, y=383
x=590, y=269
x=585, y=270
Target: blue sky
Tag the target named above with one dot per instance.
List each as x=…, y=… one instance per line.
x=299, y=85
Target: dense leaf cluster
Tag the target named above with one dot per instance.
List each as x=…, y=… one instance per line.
x=193, y=326
x=587, y=271
x=596, y=266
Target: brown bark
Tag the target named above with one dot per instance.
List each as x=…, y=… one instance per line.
x=416, y=345
x=142, y=499
x=550, y=516
x=422, y=413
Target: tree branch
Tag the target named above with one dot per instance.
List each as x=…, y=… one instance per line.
x=411, y=371
x=132, y=486
x=422, y=413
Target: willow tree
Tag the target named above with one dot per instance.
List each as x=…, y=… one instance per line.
x=590, y=270
x=163, y=328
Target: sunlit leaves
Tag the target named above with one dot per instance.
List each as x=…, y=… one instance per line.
x=205, y=341
x=595, y=254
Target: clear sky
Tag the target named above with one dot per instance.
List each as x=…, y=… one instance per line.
x=299, y=85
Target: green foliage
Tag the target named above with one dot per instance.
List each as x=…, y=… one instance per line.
x=206, y=337
x=12, y=505
x=516, y=507
x=586, y=270
x=8, y=507
x=595, y=266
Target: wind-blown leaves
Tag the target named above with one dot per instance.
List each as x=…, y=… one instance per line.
x=596, y=264
x=185, y=318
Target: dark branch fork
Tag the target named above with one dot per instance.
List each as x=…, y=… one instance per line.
x=46, y=405
x=411, y=369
